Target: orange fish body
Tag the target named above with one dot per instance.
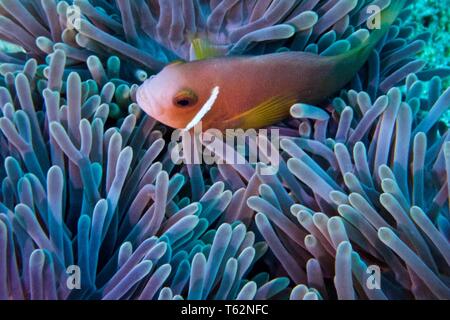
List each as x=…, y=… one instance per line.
x=246, y=83
x=252, y=91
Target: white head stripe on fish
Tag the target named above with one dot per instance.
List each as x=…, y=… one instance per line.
x=204, y=110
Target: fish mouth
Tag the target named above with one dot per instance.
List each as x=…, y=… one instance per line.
x=203, y=110
x=139, y=96
x=145, y=101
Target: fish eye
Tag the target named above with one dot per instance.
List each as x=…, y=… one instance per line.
x=185, y=98
x=184, y=102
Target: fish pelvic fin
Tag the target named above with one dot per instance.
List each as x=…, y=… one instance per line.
x=266, y=113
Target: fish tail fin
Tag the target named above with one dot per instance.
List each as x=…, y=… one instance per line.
x=388, y=17
x=362, y=52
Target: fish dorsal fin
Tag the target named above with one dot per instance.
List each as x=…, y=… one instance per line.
x=266, y=113
x=203, y=49
x=176, y=62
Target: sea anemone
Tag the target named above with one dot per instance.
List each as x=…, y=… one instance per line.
x=359, y=209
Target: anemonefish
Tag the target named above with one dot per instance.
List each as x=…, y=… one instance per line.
x=252, y=91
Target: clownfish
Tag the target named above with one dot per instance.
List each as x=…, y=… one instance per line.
x=252, y=91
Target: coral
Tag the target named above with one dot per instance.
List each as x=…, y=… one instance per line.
x=88, y=181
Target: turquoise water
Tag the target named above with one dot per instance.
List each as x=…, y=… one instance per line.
x=434, y=16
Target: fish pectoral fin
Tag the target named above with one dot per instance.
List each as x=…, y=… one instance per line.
x=204, y=49
x=266, y=113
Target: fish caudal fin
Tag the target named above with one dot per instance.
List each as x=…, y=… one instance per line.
x=350, y=62
x=388, y=17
